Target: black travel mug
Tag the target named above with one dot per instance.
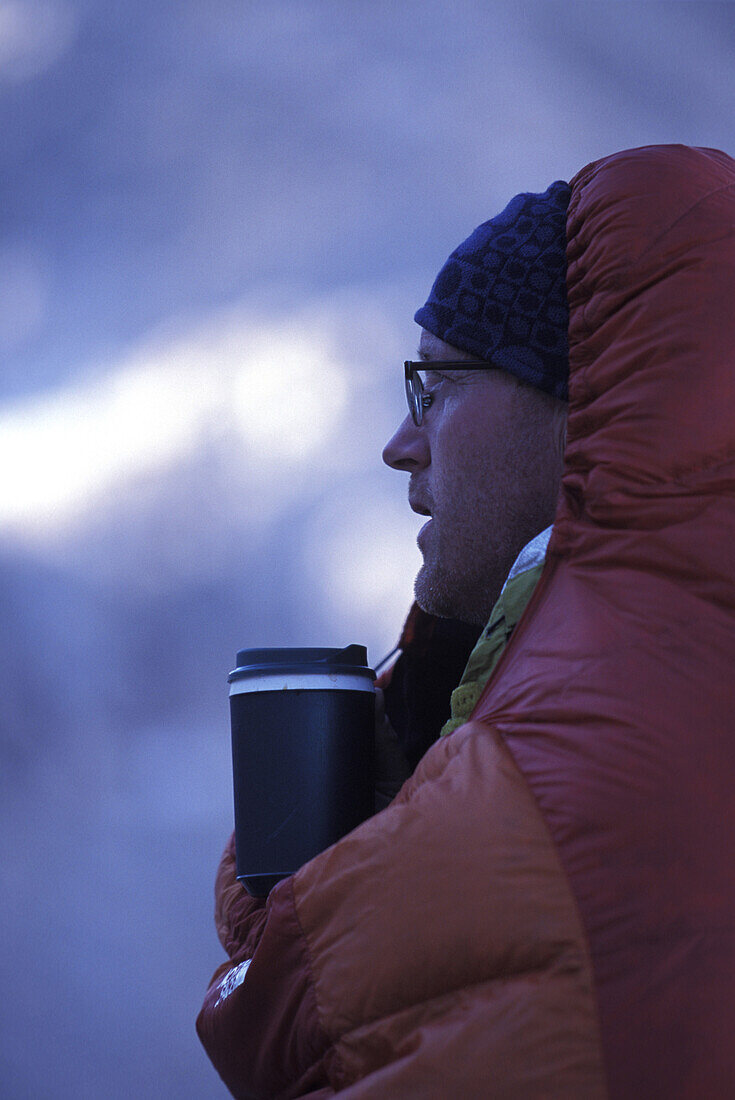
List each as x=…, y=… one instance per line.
x=303, y=727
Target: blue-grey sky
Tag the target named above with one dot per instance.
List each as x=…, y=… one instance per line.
x=217, y=222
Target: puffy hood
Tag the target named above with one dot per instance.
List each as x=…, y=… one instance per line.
x=651, y=278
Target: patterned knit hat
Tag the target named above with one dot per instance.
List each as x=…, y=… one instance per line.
x=502, y=294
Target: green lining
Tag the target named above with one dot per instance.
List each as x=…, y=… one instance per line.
x=490, y=645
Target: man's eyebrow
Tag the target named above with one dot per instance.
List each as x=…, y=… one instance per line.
x=423, y=355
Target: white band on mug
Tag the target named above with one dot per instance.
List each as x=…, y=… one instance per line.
x=301, y=681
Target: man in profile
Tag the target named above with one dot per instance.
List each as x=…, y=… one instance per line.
x=484, y=446
x=545, y=909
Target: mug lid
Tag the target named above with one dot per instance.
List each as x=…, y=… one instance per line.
x=259, y=662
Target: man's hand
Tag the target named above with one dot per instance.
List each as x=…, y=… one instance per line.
x=391, y=767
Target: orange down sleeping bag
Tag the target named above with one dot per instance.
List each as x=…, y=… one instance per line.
x=546, y=910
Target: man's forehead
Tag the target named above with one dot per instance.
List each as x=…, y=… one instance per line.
x=431, y=347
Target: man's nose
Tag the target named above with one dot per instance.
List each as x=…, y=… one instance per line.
x=408, y=448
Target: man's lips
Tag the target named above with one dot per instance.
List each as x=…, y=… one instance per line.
x=423, y=531
x=422, y=505
x=418, y=505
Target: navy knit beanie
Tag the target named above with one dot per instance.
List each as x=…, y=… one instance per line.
x=502, y=294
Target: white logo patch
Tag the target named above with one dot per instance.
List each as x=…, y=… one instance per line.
x=232, y=980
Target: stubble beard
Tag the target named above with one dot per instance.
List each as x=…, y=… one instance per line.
x=472, y=547
x=450, y=592
x=463, y=574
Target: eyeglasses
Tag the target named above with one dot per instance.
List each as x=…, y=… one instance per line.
x=418, y=399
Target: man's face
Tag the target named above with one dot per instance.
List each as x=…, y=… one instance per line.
x=485, y=465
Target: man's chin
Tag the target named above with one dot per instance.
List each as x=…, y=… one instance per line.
x=432, y=597
x=439, y=595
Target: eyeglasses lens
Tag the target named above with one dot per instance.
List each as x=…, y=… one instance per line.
x=414, y=393
x=410, y=394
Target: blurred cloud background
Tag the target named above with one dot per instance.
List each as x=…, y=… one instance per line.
x=217, y=222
